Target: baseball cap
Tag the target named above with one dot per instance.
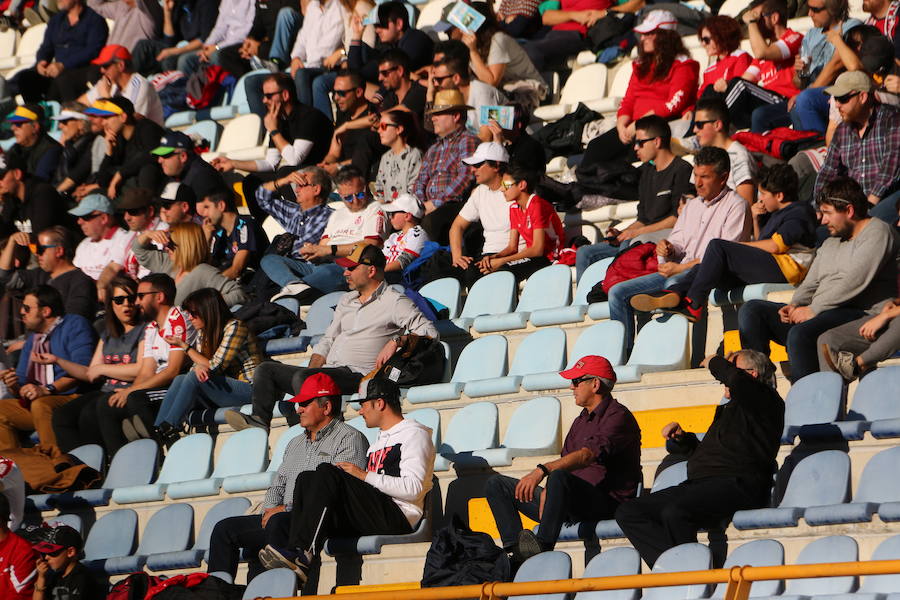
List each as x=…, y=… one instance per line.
x=26, y=113
x=591, y=366
x=135, y=197
x=90, y=203
x=104, y=108
x=849, y=82
x=488, y=151
x=363, y=254
x=110, y=53
x=172, y=141
x=54, y=539
x=177, y=192
x=405, y=203
x=69, y=115
x=316, y=386
x=383, y=388
x=657, y=19
x=9, y=162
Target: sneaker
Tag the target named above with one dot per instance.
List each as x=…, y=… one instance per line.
x=291, y=289
x=239, y=421
x=655, y=300
x=685, y=309
x=276, y=558
x=129, y=431
x=527, y=545
x=841, y=362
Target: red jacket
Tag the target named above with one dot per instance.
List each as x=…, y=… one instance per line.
x=669, y=97
x=17, y=571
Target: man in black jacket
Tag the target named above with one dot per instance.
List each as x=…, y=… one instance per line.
x=39, y=152
x=730, y=470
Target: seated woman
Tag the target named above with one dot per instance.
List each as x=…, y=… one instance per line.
x=225, y=357
x=721, y=38
x=184, y=258
x=399, y=166
x=784, y=234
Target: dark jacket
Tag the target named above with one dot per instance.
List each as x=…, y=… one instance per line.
x=73, y=339
x=73, y=46
x=41, y=159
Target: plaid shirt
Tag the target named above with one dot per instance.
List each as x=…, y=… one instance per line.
x=307, y=225
x=334, y=443
x=873, y=159
x=238, y=355
x=519, y=8
x=444, y=177
x=888, y=25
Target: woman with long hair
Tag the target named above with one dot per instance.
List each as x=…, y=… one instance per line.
x=720, y=36
x=184, y=256
x=399, y=166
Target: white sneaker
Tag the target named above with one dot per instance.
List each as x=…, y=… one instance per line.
x=291, y=289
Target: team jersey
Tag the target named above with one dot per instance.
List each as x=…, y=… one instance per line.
x=726, y=68
x=538, y=214
x=17, y=570
x=405, y=247
x=778, y=75
x=346, y=227
x=155, y=345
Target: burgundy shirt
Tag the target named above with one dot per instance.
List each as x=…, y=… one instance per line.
x=612, y=434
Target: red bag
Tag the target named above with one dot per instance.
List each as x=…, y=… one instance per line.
x=634, y=261
x=206, y=84
x=781, y=142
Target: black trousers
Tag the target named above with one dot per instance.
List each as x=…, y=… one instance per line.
x=525, y=268
x=144, y=403
x=743, y=97
x=245, y=531
x=68, y=86
x=661, y=520
x=437, y=223
x=273, y=380
x=351, y=507
x=75, y=422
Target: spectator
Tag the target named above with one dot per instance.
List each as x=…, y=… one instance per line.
x=406, y=243
x=29, y=204
x=730, y=469
x=55, y=250
x=883, y=14
x=139, y=216
x=665, y=179
x=75, y=165
x=115, y=364
x=711, y=125
x=599, y=468
x=134, y=20
x=325, y=439
x=569, y=21
x=364, y=333
x=720, y=36
x=855, y=348
x=453, y=73
x=60, y=574
x=784, y=231
x=190, y=21
x=444, y=180
x=235, y=241
x=185, y=250
x=519, y=18
x=102, y=235
x=39, y=152
x=17, y=557
x=12, y=487
x=854, y=274
x=387, y=497
x=524, y=151
x=353, y=142
x=319, y=45
x=117, y=78
x=399, y=166
x=396, y=87
x=233, y=23
x=180, y=163
x=176, y=204
x=866, y=146
x=37, y=388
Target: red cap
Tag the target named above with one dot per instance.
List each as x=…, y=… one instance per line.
x=110, y=53
x=316, y=386
x=590, y=365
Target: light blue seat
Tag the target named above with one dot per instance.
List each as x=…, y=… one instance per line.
x=542, y=353
x=812, y=403
x=359, y=423
x=446, y=291
x=684, y=557
x=190, y=558
x=223, y=575
x=112, y=536
x=242, y=453
x=133, y=464
x=275, y=583
x=605, y=339
x=237, y=104
x=551, y=287
x=483, y=358
x=739, y=295
x=533, y=430
x=670, y=476
x=546, y=566
x=819, y=479
x=89, y=454
x=73, y=521
x=758, y=553
x=874, y=407
x=612, y=563
x=208, y=130
x=889, y=549
x=575, y=312
x=429, y=418
x=180, y=118
x=661, y=345
x=188, y=459
x=878, y=487
x=493, y=294
x=835, y=548
x=474, y=427
x=250, y=482
x=317, y=321
x=170, y=529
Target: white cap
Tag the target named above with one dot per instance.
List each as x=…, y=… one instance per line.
x=69, y=114
x=405, y=203
x=657, y=19
x=488, y=151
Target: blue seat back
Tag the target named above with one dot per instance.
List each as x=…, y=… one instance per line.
x=876, y=395
x=758, y=553
x=208, y=130
x=281, y=445
x=889, y=549
x=593, y=275
x=606, y=339
x=546, y=566
x=834, y=548
x=684, y=557
x=276, y=583
x=670, y=476
x=816, y=398
x=230, y=507
x=188, y=459
x=535, y=424
x=359, y=423
x=879, y=481
x=446, y=291
x=491, y=295
x=244, y=452
x=819, y=479
x=541, y=352
x=662, y=341
x=239, y=97
x=430, y=418
x=482, y=358
x=112, y=535
x=91, y=455
x=611, y=563
x=320, y=314
x=133, y=464
x=73, y=521
x=549, y=287
x=474, y=427
x=170, y=529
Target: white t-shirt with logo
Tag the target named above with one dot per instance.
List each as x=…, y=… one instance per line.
x=492, y=209
x=92, y=257
x=345, y=227
x=155, y=345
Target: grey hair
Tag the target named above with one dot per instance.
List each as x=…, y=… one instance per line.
x=758, y=362
x=319, y=177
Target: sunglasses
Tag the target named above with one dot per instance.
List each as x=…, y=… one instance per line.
x=815, y=9
x=507, y=184
x=351, y=197
x=342, y=93
x=135, y=212
x=39, y=249
x=438, y=79
x=120, y=300
x=845, y=98
x=579, y=380
x=640, y=143
x=384, y=126
x=702, y=124
x=91, y=216
x=54, y=553
x=140, y=295
x=271, y=95
x=386, y=72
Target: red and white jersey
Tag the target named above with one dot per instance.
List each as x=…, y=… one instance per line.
x=12, y=485
x=346, y=227
x=405, y=247
x=778, y=75
x=177, y=325
x=538, y=214
x=130, y=264
x=726, y=68
x=17, y=570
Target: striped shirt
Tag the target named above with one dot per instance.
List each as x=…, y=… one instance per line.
x=238, y=354
x=334, y=443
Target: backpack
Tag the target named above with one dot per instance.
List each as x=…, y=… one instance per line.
x=460, y=556
x=194, y=586
x=781, y=142
x=634, y=261
x=133, y=587
x=206, y=85
x=563, y=137
x=418, y=361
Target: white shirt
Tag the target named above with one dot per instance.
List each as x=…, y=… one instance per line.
x=743, y=167
x=492, y=209
x=142, y=95
x=92, y=257
x=155, y=345
x=345, y=227
x=321, y=34
x=405, y=247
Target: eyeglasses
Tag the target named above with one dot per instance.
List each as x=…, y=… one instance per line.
x=640, y=143
x=91, y=216
x=706, y=39
x=438, y=79
x=383, y=126
x=140, y=295
x=351, y=197
x=21, y=123
x=845, y=98
x=815, y=9
x=579, y=380
x=702, y=124
x=507, y=184
x=386, y=72
x=120, y=300
x=135, y=212
x=39, y=249
x=342, y=93
x=271, y=95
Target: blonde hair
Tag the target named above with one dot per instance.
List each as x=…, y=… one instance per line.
x=191, y=247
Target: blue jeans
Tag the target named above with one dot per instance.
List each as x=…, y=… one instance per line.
x=321, y=88
x=185, y=389
x=303, y=81
x=620, y=300
x=588, y=255
x=287, y=25
x=769, y=116
x=811, y=110
x=188, y=63
x=886, y=210
x=282, y=270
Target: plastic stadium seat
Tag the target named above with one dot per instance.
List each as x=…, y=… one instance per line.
x=237, y=104
x=240, y=133
x=8, y=40
x=617, y=88
x=758, y=553
x=208, y=130
x=684, y=557
x=575, y=312
x=491, y=295
x=188, y=459
x=546, y=566
x=811, y=405
x=182, y=118
x=739, y=295
x=732, y=8
x=242, y=453
x=819, y=479
x=190, y=558
x=484, y=358
x=112, y=536
x=835, y=548
x=261, y=481
x=878, y=491
x=223, y=575
x=431, y=419
x=611, y=563
x=317, y=321
x=431, y=13
x=276, y=583
x=670, y=476
x=583, y=85
x=27, y=48
x=889, y=549
x=170, y=529
x=359, y=423
x=533, y=430
x=272, y=227
x=874, y=407
x=542, y=353
x=474, y=427
x=446, y=291
x=133, y=464
x=605, y=339
x=661, y=345
x=73, y=521
x=551, y=287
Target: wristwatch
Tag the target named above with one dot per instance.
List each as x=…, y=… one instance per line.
x=51, y=389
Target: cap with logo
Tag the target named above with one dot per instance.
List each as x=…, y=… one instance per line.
x=316, y=386
x=8, y=162
x=405, y=203
x=93, y=202
x=380, y=388
x=53, y=539
x=488, y=151
x=172, y=141
x=657, y=19
x=450, y=100
x=363, y=254
x=590, y=366
x=111, y=53
x=69, y=115
x=27, y=113
x=849, y=82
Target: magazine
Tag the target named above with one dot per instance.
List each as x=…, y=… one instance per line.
x=465, y=18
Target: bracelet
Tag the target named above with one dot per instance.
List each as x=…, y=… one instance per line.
x=274, y=132
x=544, y=469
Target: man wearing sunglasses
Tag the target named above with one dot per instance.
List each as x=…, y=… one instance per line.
x=140, y=215
x=396, y=86
x=60, y=574
x=354, y=142
x=39, y=152
x=599, y=468
x=711, y=126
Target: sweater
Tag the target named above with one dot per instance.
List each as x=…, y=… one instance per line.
x=669, y=97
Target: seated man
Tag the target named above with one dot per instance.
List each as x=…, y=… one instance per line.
x=453, y=73
x=387, y=497
x=29, y=204
x=236, y=241
x=854, y=274
x=598, y=469
x=354, y=142
x=60, y=573
x=38, y=389
x=177, y=204
x=119, y=79
x=104, y=240
x=730, y=470
x=190, y=22
x=139, y=216
x=363, y=335
x=180, y=163
x=39, y=152
x=711, y=124
x=325, y=439
x=19, y=572
x=404, y=245
x=397, y=88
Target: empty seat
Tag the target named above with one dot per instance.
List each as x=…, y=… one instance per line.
x=133, y=464
x=170, y=529
x=606, y=339
x=835, y=548
x=812, y=403
x=241, y=133
x=275, y=583
x=491, y=295
x=889, y=549
x=483, y=358
x=546, y=566
x=112, y=536
x=27, y=48
x=874, y=407
x=617, y=88
x=685, y=557
x=474, y=427
x=542, y=353
x=575, y=312
x=208, y=130
x=661, y=345
x=583, y=85
x=551, y=287
x=819, y=479
x=261, y=481
x=758, y=553
x=533, y=430
x=188, y=459
x=611, y=563
x=242, y=453
x=446, y=291
x=317, y=321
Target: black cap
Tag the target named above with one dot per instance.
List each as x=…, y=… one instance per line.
x=9, y=162
x=53, y=539
x=135, y=197
x=172, y=141
x=123, y=103
x=382, y=388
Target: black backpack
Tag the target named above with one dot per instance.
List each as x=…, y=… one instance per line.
x=418, y=361
x=460, y=556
